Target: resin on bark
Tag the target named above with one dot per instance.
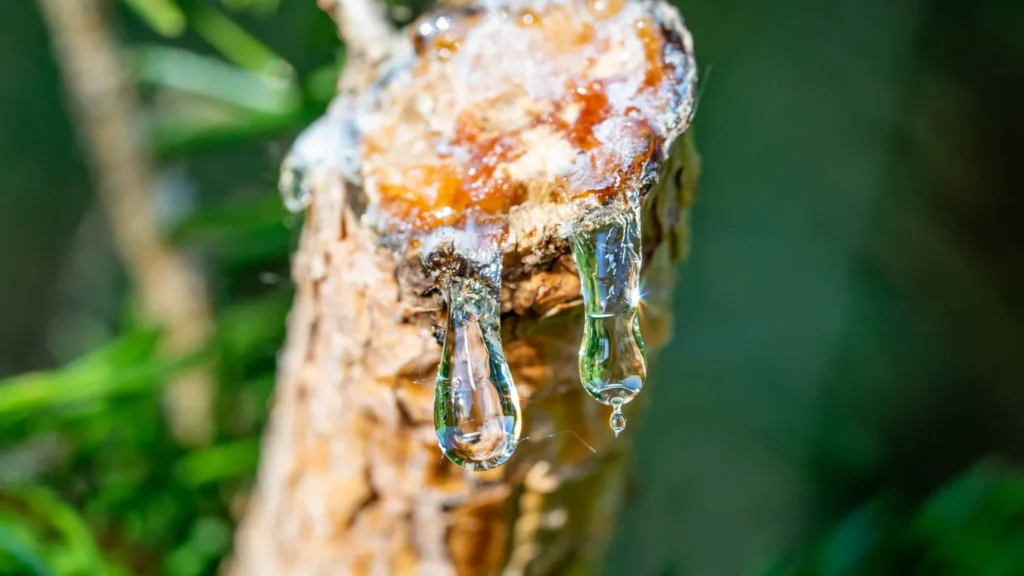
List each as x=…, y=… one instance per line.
x=504, y=105
x=493, y=123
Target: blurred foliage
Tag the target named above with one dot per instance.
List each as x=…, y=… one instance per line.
x=91, y=482
x=974, y=525
x=94, y=434
x=849, y=323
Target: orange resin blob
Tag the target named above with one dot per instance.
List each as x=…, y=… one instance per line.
x=604, y=8
x=529, y=18
x=551, y=101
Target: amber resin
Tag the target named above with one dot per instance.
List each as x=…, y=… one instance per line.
x=491, y=119
x=509, y=102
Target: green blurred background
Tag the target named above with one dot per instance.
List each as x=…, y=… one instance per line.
x=845, y=388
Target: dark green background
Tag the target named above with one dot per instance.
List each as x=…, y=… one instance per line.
x=845, y=390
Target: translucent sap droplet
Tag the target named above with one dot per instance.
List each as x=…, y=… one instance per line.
x=604, y=9
x=440, y=34
x=613, y=362
x=617, y=422
x=528, y=18
x=476, y=406
x=293, y=186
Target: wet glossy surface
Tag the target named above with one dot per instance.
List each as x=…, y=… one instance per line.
x=569, y=93
x=476, y=406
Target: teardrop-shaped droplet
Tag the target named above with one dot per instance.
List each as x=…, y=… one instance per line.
x=476, y=406
x=613, y=362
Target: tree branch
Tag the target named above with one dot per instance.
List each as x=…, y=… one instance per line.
x=368, y=37
x=351, y=479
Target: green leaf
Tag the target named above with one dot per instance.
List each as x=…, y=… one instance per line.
x=216, y=463
x=181, y=132
x=257, y=7
x=226, y=223
x=249, y=327
x=240, y=234
x=163, y=16
x=235, y=43
x=852, y=540
x=322, y=83
x=75, y=552
x=208, y=77
x=127, y=365
x=22, y=553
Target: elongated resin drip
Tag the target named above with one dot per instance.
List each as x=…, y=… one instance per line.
x=476, y=406
x=613, y=363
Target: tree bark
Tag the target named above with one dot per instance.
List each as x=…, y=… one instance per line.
x=352, y=480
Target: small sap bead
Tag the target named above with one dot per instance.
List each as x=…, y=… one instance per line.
x=427, y=29
x=528, y=18
x=293, y=186
x=440, y=34
x=476, y=406
x=604, y=9
x=617, y=422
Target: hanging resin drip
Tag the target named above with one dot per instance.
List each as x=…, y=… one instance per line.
x=476, y=406
x=613, y=363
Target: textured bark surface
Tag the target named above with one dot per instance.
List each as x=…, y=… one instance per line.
x=352, y=480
